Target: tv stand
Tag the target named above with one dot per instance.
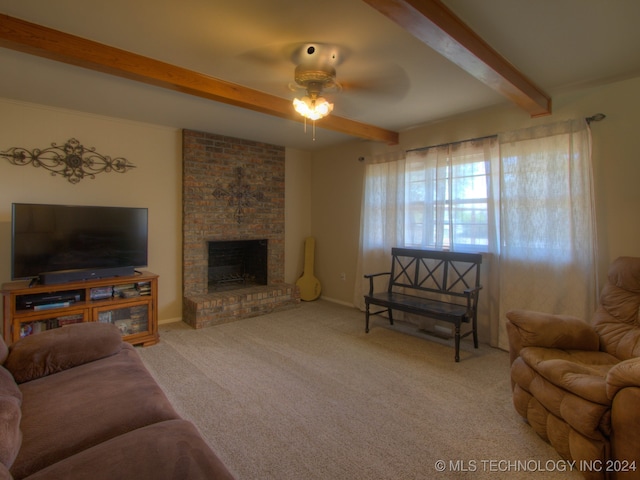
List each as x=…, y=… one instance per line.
x=129, y=302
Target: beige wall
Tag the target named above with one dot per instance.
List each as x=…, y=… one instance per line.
x=297, y=218
x=336, y=193
x=155, y=183
x=336, y=196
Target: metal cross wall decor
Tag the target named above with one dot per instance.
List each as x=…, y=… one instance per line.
x=238, y=194
x=72, y=160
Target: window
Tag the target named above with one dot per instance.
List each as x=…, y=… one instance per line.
x=447, y=196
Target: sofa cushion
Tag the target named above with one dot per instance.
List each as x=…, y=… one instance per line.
x=591, y=419
x=168, y=450
x=75, y=409
x=56, y=350
x=582, y=373
x=10, y=434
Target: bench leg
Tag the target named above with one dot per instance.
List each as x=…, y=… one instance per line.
x=366, y=321
x=457, y=341
x=367, y=315
x=475, y=331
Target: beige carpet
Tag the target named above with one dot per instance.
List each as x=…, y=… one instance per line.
x=305, y=394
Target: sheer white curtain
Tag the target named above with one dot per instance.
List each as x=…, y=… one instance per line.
x=382, y=218
x=548, y=238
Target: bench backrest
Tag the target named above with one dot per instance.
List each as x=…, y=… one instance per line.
x=435, y=271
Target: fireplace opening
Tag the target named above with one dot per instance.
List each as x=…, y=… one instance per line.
x=236, y=264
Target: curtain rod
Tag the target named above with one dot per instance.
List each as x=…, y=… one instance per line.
x=596, y=118
x=593, y=118
x=451, y=143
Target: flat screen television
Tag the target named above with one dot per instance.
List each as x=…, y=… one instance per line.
x=60, y=243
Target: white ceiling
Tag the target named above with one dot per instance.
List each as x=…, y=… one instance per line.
x=391, y=79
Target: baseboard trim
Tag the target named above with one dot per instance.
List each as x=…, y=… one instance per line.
x=169, y=320
x=339, y=302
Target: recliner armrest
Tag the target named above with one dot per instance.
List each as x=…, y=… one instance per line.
x=536, y=329
x=62, y=348
x=624, y=374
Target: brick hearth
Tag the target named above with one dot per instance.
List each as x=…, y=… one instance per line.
x=223, y=307
x=233, y=189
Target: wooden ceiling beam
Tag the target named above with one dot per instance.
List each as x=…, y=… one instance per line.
x=435, y=25
x=45, y=42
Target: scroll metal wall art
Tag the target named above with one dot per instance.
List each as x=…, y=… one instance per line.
x=72, y=160
x=238, y=194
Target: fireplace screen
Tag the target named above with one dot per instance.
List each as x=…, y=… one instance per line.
x=237, y=264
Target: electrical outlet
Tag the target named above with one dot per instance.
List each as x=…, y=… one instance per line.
x=343, y=276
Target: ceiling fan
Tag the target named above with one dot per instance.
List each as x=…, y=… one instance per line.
x=365, y=76
x=365, y=79
x=315, y=73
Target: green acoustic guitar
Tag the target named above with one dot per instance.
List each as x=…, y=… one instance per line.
x=308, y=284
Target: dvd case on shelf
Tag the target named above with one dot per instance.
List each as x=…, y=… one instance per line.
x=101, y=293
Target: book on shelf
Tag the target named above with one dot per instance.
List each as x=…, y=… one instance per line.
x=69, y=319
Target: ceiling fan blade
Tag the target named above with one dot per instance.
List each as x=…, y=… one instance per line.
x=389, y=82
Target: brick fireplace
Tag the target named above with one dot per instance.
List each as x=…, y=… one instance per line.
x=233, y=197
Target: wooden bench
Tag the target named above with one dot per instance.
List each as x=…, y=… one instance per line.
x=434, y=284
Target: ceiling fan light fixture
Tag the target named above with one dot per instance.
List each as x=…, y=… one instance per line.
x=315, y=73
x=312, y=108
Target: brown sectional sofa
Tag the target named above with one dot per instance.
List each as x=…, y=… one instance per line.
x=77, y=402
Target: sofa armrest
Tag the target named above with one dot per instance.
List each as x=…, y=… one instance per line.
x=624, y=374
x=62, y=348
x=536, y=329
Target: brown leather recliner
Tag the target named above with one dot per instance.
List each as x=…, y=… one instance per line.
x=578, y=384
